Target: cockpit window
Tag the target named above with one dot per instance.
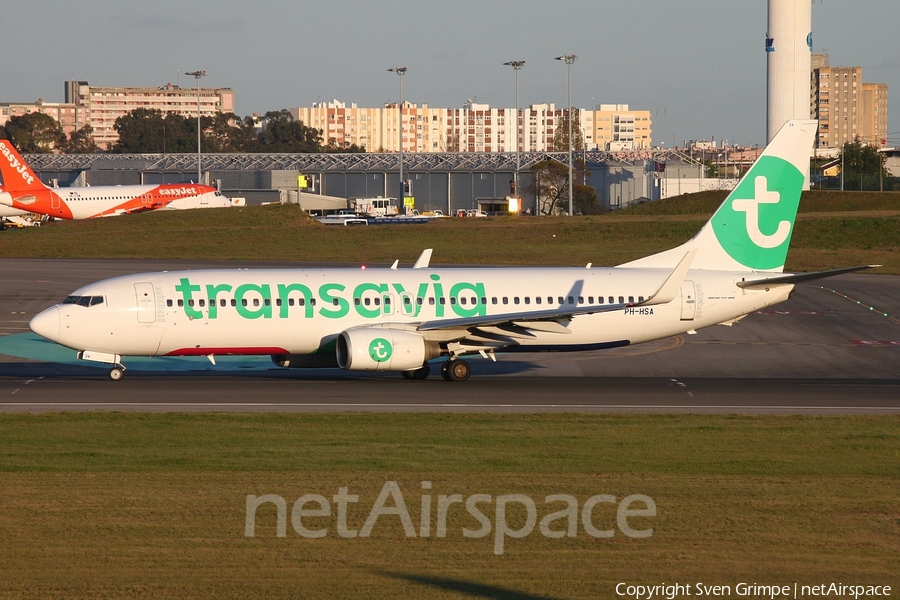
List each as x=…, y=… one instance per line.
x=85, y=301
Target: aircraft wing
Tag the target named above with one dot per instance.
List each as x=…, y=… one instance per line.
x=543, y=320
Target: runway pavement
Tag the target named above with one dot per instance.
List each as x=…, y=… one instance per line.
x=834, y=347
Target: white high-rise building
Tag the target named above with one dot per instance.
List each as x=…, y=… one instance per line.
x=788, y=52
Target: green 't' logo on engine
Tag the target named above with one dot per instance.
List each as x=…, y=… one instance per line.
x=380, y=350
x=755, y=227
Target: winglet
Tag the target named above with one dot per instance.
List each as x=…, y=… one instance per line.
x=671, y=287
x=424, y=259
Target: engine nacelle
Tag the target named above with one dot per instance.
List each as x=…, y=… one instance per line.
x=383, y=349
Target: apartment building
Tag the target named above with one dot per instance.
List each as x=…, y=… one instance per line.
x=101, y=106
x=474, y=127
x=847, y=109
x=69, y=116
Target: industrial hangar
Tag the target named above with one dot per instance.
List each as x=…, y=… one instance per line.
x=437, y=181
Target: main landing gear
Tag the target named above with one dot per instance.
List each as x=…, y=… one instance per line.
x=420, y=373
x=116, y=373
x=456, y=370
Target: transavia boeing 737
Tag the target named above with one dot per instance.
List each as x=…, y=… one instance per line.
x=398, y=320
x=24, y=191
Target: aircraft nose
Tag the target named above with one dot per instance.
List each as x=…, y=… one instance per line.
x=46, y=324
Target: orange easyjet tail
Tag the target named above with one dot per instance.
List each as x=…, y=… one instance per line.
x=17, y=176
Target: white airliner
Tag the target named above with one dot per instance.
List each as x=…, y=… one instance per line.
x=24, y=191
x=399, y=319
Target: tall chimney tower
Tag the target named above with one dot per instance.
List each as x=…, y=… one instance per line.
x=788, y=52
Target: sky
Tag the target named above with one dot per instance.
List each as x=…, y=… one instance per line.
x=699, y=66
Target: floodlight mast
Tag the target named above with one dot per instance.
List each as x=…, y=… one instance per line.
x=198, y=75
x=400, y=71
x=569, y=59
x=517, y=65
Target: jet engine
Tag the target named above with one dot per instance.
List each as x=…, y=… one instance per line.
x=383, y=349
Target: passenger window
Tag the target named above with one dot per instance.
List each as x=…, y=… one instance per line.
x=431, y=301
x=599, y=299
x=612, y=300
x=202, y=302
x=336, y=302
x=443, y=300
x=277, y=301
x=407, y=301
x=527, y=299
x=191, y=302
x=474, y=300
x=549, y=299
x=243, y=302
x=312, y=301
x=367, y=301
x=419, y=301
x=356, y=301
x=631, y=298
x=640, y=298
x=233, y=302
x=494, y=300
x=462, y=300
x=561, y=300
x=515, y=299
x=580, y=299
x=222, y=302
x=484, y=301
x=291, y=301
x=377, y=302
x=256, y=302
x=505, y=300
x=169, y=303
x=452, y=300
x=590, y=299
x=537, y=300
x=571, y=300
x=267, y=302
x=621, y=300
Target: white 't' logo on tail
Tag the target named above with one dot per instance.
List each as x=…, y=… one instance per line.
x=751, y=207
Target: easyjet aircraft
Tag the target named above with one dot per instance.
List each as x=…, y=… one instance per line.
x=399, y=319
x=24, y=191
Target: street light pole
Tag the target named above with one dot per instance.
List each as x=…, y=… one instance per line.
x=400, y=71
x=517, y=65
x=197, y=75
x=569, y=59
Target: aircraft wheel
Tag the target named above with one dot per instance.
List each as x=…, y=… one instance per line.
x=407, y=374
x=421, y=373
x=445, y=370
x=116, y=374
x=458, y=370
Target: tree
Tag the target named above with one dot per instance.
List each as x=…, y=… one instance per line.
x=141, y=130
x=284, y=134
x=561, y=134
x=35, y=133
x=550, y=185
x=863, y=159
x=81, y=141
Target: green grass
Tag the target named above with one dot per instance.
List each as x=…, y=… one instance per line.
x=834, y=230
x=153, y=506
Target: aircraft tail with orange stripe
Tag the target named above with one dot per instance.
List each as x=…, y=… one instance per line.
x=17, y=175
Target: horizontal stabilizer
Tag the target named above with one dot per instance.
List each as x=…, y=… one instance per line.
x=798, y=277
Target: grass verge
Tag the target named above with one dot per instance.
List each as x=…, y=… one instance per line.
x=837, y=230
x=153, y=506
